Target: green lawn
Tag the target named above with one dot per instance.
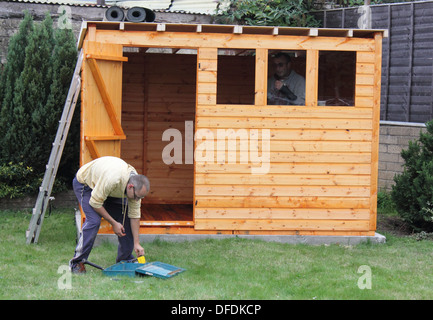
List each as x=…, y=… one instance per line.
x=216, y=269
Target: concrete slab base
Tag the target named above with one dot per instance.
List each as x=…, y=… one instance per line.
x=291, y=239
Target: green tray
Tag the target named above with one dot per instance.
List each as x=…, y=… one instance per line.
x=159, y=269
x=122, y=269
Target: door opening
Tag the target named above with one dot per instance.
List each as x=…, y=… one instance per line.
x=158, y=110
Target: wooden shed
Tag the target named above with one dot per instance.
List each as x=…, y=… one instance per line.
x=187, y=106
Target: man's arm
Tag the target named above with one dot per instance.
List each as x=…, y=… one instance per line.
x=118, y=229
x=288, y=93
x=135, y=228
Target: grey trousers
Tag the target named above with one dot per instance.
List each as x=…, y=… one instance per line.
x=92, y=222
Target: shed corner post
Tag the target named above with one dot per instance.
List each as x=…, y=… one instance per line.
x=375, y=132
x=206, y=96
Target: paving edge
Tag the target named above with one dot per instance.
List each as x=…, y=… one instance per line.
x=291, y=239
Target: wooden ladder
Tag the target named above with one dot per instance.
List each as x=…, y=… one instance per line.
x=32, y=234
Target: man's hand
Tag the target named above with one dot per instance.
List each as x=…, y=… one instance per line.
x=118, y=229
x=139, y=251
x=278, y=84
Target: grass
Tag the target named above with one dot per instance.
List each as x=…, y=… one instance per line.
x=216, y=269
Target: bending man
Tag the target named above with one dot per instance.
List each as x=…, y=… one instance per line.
x=110, y=188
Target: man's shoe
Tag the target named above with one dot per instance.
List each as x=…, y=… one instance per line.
x=78, y=268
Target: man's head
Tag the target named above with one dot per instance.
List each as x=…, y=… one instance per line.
x=138, y=187
x=283, y=64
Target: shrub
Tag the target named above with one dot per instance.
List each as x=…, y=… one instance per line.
x=14, y=180
x=413, y=189
x=18, y=180
x=292, y=13
x=385, y=203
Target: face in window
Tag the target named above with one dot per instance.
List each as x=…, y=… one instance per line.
x=282, y=67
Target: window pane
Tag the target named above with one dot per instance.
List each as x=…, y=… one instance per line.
x=337, y=72
x=286, y=82
x=236, y=76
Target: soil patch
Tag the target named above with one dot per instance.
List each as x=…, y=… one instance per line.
x=393, y=225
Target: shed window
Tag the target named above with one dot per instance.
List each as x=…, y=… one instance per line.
x=286, y=77
x=337, y=73
x=236, y=76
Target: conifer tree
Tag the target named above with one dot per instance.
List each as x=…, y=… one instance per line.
x=11, y=72
x=63, y=63
x=33, y=89
x=30, y=97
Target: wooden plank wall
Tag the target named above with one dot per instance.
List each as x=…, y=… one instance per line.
x=322, y=176
x=159, y=91
x=133, y=111
x=159, y=94
x=407, y=73
x=321, y=179
x=97, y=128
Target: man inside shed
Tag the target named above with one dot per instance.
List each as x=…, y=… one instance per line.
x=285, y=87
x=110, y=188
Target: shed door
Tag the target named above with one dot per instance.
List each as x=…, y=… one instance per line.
x=101, y=101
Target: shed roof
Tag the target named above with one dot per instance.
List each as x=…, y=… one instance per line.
x=231, y=29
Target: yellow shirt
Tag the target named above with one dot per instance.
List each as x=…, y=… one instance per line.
x=107, y=177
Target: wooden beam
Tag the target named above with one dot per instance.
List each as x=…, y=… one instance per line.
x=91, y=146
x=82, y=34
x=91, y=32
x=220, y=40
x=375, y=132
x=261, y=77
x=280, y=224
x=169, y=223
x=207, y=61
x=96, y=72
x=105, y=57
x=145, y=115
x=311, y=79
x=105, y=138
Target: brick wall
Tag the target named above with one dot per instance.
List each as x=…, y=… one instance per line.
x=65, y=199
x=11, y=14
x=394, y=136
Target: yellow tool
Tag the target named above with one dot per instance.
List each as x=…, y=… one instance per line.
x=141, y=259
